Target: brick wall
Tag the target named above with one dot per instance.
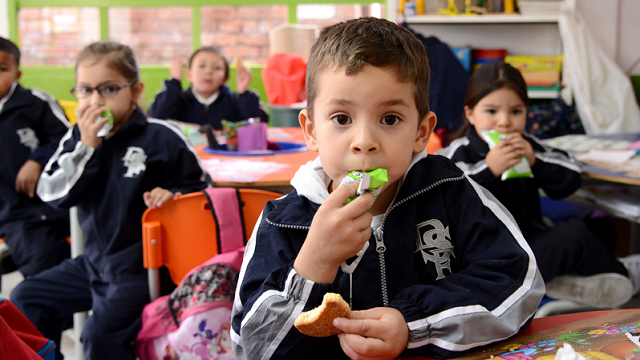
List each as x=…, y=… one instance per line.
x=53, y=36
x=156, y=35
x=241, y=31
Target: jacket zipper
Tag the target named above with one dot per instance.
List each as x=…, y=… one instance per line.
x=380, y=246
x=378, y=234
x=293, y=227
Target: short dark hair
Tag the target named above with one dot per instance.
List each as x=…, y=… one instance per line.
x=213, y=50
x=10, y=48
x=495, y=76
x=355, y=43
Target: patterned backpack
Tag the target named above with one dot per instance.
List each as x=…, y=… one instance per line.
x=193, y=322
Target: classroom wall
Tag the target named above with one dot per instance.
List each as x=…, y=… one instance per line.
x=4, y=19
x=613, y=23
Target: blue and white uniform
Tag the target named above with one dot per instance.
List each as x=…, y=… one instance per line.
x=175, y=104
x=570, y=247
x=107, y=184
x=31, y=125
x=446, y=254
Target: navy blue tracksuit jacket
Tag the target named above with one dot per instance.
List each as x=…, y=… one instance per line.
x=31, y=125
x=175, y=104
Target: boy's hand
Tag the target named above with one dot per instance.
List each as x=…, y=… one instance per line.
x=522, y=147
x=27, y=178
x=337, y=233
x=88, y=126
x=157, y=197
x=378, y=333
x=502, y=157
x=243, y=76
x=176, y=69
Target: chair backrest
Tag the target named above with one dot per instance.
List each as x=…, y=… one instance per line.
x=181, y=234
x=292, y=38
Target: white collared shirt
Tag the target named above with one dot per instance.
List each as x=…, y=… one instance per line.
x=8, y=96
x=208, y=101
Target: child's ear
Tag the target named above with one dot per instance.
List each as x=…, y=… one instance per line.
x=189, y=75
x=308, y=130
x=18, y=75
x=137, y=88
x=425, y=130
x=468, y=113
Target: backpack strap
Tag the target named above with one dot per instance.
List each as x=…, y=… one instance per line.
x=225, y=209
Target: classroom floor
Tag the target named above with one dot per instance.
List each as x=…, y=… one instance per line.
x=9, y=281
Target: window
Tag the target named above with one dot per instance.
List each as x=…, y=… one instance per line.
x=241, y=31
x=323, y=15
x=54, y=35
x=156, y=34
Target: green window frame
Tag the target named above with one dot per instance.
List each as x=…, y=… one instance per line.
x=196, y=23
x=58, y=79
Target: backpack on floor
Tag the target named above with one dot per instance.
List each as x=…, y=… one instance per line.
x=193, y=322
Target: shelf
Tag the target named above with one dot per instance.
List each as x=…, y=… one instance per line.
x=482, y=19
x=548, y=94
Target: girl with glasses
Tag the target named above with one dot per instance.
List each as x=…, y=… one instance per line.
x=112, y=179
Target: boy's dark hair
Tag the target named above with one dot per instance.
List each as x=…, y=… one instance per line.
x=213, y=50
x=117, y=56
x=370, y=41
x=10, y=48
x=495, y=76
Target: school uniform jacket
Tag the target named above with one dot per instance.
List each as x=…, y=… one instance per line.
x=175, y=104
x=554, y=171
x=447, y=255
x=107, y=184
x=31, y=125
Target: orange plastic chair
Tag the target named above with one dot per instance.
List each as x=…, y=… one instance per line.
x=434, y=144
x=181, y=234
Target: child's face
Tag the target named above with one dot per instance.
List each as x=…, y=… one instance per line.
x=122, y=105
x=364, y=122
x=207, y=73
x=501, y=110
x=9, y=72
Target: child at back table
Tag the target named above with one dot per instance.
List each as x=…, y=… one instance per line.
x=31, y=125
x=112, y=179
x=208, y=100
x=436, y=267
x=576, y=263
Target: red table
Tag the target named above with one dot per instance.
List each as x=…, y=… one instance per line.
x=286, y=164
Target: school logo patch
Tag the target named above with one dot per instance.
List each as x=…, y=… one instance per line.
x=28, y=138
x=432, y=241
x=134, y=160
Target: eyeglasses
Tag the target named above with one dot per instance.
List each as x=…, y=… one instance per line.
x=105, y=90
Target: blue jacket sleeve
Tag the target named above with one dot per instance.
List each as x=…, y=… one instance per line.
x=168, y=103
x=555, y=171
x=251, y=106
x=183, y=172
x=69, y=172
x=53, y=124
x=269, y=296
